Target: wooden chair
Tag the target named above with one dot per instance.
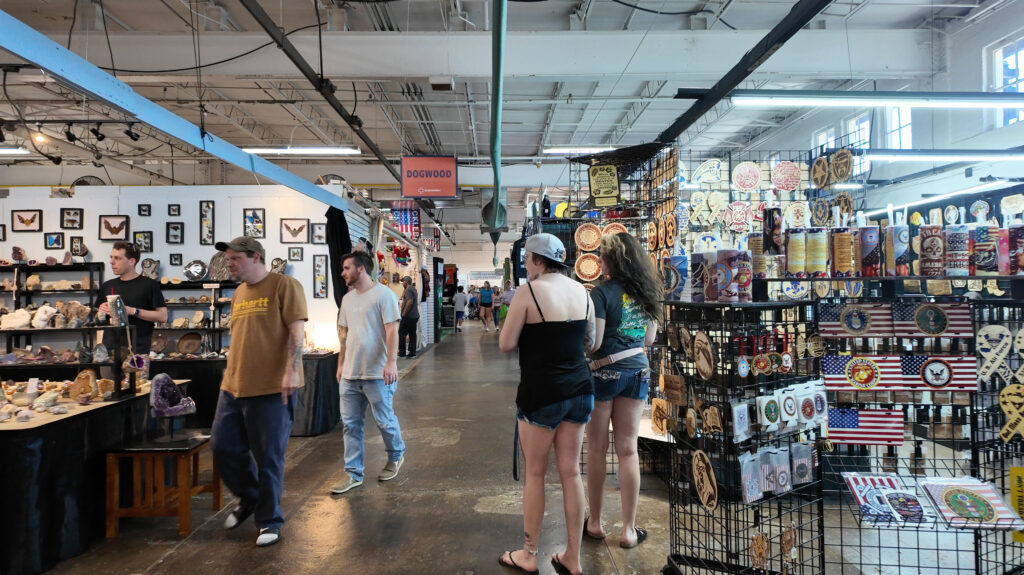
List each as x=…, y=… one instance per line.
x=151, y=496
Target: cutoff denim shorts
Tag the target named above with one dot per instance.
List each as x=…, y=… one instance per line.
x=611, y=382
x=574, y=410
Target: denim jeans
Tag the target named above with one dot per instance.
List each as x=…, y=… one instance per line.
x=248, y=439
x=355, y=395
x=611, y=382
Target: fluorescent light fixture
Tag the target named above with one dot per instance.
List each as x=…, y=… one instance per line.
x=691, y=186
x=943, y=155
x=922, y=201
x=569, y=150
x=848, y=186
x=13, y=152
x=312, y=151
x=842, y=99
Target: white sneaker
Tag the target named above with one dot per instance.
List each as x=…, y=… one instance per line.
x=268, y=536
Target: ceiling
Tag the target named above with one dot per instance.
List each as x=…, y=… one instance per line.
x=577, y=72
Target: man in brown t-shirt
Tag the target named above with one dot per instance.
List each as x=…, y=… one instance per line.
x=254, y=413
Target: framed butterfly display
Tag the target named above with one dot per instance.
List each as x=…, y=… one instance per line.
x=53, y=241
x=294, y=230
x=71, y=218
x=26, y=220
x=253, y=222
x=206, y=221
x=114, y=228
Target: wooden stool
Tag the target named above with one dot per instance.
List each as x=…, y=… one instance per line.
x=150, y=496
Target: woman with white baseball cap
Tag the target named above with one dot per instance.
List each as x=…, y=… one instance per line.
x=551, y=322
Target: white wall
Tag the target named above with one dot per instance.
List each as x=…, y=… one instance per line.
x=278, y=201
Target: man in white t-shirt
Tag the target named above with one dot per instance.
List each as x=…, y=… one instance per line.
x=461, y=300
x=367, y=368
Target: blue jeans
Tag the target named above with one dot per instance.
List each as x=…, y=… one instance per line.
x=611, y=382
x=355, y=395
x=249, y=438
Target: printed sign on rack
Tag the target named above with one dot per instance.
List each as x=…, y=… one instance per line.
x=604, y=185
x=429, y=177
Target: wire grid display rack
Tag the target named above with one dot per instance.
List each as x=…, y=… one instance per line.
x=992, y=457
x=719, y=541
x=936, y=443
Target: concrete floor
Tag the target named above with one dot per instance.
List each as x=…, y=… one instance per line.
x=453, y=509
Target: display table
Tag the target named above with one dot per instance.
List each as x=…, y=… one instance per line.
x=53, y=481
x=317, y=405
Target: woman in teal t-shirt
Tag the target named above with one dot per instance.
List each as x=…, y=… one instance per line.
x=486, y=304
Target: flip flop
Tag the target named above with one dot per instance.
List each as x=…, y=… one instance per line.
x=588, y=533
x=641, y=536
x=559, y=568
x=511, y=563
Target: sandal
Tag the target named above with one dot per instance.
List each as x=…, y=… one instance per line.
x=511, y=563
x=588, y=533
x=561, y=569
x=641, y=536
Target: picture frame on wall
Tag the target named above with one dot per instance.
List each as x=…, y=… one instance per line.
x=3, y=232
x=175, y=232
x=77, y=246
x=145, y=209
x=26, y=220
x=174, y=210
x=254, y=222
x=320, y=276
x=71, y=218
x=294, y=230
x=318, y=233
x=175, y=259
x=53, y=241
x=206, y=222
x=114, y=228
x=295, y=254
x=143, y=241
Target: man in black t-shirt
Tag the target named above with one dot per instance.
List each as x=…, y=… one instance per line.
x=142, y=297
x=410, y=317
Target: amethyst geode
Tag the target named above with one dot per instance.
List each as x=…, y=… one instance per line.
x=167, y=400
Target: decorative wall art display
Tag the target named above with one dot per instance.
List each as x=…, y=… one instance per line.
x=143, y=241
x=175, y=259
x=3, y=232
x=77, y=246
x=254, y=222
x=114, y=228
x=206, y=222
x=174, y=210
x=54, y=241
x=318, y=234
x=970, y=502
x=900, y=373
x=71, y=218
x=145, y=210
x=175, y=232
x=320, y=276
x=294, y=231
x=26, y=220
x=295, y=254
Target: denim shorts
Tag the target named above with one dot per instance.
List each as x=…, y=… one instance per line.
x=612, y=382
x=574, y=410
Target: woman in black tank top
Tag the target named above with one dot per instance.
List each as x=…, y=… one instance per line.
x=554, y=399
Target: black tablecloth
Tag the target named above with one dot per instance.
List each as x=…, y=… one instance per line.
x=318, y=404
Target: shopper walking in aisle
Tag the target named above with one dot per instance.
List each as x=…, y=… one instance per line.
x=367, y=368
x=486, y=304
x=506, y=301
x=410, y=317
x=254, y=412
x=551, y=322
x=461, y=301
x=142, y=297
x=628, y=307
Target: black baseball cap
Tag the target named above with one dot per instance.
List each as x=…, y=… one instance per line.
x=243, y=244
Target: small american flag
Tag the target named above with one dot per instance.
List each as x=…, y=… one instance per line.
x=867, y=492
x=857, y=320
x=934, y=319
x=900, y=373
x=865, y=426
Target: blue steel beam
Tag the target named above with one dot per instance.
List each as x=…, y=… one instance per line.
x=22, y=41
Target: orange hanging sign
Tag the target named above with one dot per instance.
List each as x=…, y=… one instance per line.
x=429, y=177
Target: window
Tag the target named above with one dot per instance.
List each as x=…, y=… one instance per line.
x=824, y=140
x=774, y=159
x=1009, y=59
x=858, y=130
x=898, y=135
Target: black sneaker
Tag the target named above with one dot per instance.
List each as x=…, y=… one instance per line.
x=238, y=516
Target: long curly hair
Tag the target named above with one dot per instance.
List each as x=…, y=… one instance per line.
x=626, y=262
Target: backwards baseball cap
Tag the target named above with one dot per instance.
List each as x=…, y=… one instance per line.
x=243, y=244
x=546, y=245
x=407, y=279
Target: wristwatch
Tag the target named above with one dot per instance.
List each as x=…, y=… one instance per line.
x=136, y=314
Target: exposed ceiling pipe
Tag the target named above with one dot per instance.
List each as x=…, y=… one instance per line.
x=495, y=213
x=326, y=89
x=801, y=14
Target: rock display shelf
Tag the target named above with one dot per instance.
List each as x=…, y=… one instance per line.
x=212, y=329
x=215, y=291
x=23, y=297
x=74, y=410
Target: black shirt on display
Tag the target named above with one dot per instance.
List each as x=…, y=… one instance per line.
x=142, y=293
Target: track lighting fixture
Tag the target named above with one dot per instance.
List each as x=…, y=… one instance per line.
x=131, y=134
x=71, y=137
x=96, y=132
x=55, y=159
